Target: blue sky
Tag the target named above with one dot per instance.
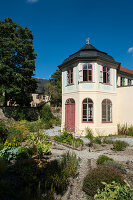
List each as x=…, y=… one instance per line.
x=60, y=28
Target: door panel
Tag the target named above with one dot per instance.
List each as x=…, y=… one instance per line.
x=70, y=117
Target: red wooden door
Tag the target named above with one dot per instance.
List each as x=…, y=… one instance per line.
x=70, y=116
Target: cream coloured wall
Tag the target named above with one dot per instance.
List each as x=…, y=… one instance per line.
x=97, y=126
x=97, y=91
x=125, y=105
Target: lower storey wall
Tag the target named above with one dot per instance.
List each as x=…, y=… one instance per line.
x=98, y=128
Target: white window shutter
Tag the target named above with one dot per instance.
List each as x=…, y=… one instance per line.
x=101, y=74
x=111, y=76
x=80, y=73
x=93, y=72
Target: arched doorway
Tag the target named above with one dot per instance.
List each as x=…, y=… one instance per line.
x=70, y=115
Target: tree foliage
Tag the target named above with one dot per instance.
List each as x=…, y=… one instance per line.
x=54, y=88
x=17, y=63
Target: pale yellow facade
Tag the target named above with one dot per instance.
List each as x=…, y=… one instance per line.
x=121, y=98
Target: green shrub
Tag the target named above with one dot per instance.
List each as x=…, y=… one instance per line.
x=14, y=153
x=23, y=114
x=34, y=126
x=107, y=141
x=1, y=146
x=68, y=138
x=6, y=190
x=60, y=170
x=114, y=164
x=3, y=167
x=115, y=191
x=45, y=113
x=39, y=143
x=89, y=134
x=48, y=125
x=3, y=132
x=97, y=140
x=96, y=176
x=122, y=129
x=119, y=145
x=17, y=133
x=101, y=159
x=130, y=131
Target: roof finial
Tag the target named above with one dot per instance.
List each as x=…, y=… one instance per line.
x=88, y=40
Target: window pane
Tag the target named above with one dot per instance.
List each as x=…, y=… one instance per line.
x=104, y=68
x=103, y=112
x=108, y=69
x=84, y=75
x=85, y=100
x=104, y=77
x=84, y=119
x=108, y=77
x=89, y=66
x=90, y=101
x=109, y=114
x=85, y=113
x=72, y=76
x=85, y=67
x=90, y=112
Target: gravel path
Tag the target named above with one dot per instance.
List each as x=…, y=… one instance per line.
x=87, y=159
x=53, y=131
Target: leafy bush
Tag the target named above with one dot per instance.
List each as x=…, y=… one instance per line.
x=89, y=134
x=97, y=140
x=14, y=153
x=34, y=126
x=119, y=145
x=24, y=114
x=48, y=125
x=101, y=159
x=3, y=132
x=17, y=133
x=1, y=146
x=107, y=141
x=100, y=174
x=130, y=131
x=114, y=164
x=125, y=130
x=122, y=129
x=39, y=143
x=60, y=170
x=115, y=191
x=68, y=138
x=40, y=181
x=45, y=113
x=3, y=167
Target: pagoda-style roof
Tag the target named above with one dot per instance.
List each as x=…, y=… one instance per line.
x=86, y=53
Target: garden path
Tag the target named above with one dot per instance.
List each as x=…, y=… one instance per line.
x=87, y=159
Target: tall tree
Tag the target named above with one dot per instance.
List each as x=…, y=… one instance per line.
x=17, y=63
x=54, y=88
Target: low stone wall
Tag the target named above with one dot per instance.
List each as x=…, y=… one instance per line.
x=7, y=112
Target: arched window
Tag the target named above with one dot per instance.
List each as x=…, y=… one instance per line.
x=87, y=72
x=69, y=101
x=106, y=74
x=106, y=110
x=87, y=110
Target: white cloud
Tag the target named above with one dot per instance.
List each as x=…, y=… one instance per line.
x=32, y=1
x=130, y=50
